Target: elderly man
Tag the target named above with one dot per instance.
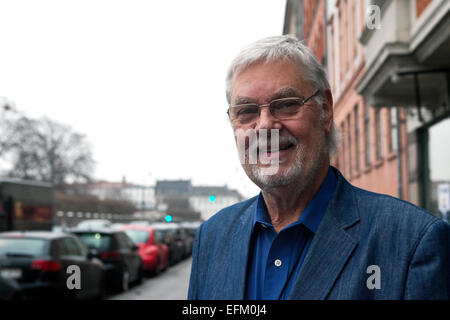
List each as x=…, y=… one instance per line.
x=309, y=234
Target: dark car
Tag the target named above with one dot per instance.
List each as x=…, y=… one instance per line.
x=173, y=241
x=119, y=254
x=190, y=231
x=41, y=262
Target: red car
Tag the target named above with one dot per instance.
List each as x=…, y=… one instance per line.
x=154, y=252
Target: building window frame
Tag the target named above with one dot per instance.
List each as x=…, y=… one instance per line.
x=379, y=133
x=367, y=139
x=357, y=151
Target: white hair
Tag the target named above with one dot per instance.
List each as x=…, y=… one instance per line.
x=285, y=47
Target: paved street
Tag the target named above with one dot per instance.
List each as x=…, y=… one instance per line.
x=172, y=284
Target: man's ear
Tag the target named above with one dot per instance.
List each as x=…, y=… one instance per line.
x=327, y=106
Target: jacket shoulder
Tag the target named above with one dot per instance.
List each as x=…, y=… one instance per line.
x=393, y=213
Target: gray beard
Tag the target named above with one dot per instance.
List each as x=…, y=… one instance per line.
x=292, y=176
x=265, y=181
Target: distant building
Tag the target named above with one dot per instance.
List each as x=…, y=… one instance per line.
x=208, y=200
x=172, y=188
x=142, y=197
x=205, y=200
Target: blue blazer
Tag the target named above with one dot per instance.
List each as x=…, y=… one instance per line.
x=409, y=246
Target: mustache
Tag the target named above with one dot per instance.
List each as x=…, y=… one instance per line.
x=265, y=142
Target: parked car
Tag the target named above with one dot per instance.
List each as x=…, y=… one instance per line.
x=154, y=252
x=94, y=224
x=38, y=261
x=190, y=229
x=172, y=240
x=123, y=264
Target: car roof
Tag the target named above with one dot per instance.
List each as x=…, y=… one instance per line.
x=135, y=227
x=164, y=226
x=49, y=235
x=93, y=230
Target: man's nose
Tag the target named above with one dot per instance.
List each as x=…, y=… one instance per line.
x=267, y=121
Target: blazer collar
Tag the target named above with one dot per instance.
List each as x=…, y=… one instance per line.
x=240, y=246
x=331, y=246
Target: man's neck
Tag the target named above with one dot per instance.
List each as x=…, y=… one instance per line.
x=285, y=204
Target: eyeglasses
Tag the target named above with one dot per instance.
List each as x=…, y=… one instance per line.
x=282, y=109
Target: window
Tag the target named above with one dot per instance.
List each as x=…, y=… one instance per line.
x=71, y=247
x=127, y=242
x=379, y=133
x=349, y=144
x=393, y=126
x=138, y=236
x=23, y=247
x=98, y=241
x=357, y=138
x=367, y=134
x=123, y=241
x=344, y=160
x=159, y=236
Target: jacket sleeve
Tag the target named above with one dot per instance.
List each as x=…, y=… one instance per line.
x=429, y=270
x=193, y=282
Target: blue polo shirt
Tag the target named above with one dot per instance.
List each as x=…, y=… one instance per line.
x=276, y=259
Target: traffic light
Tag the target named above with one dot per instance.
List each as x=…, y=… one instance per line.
x=212, y=198
x=168, y=218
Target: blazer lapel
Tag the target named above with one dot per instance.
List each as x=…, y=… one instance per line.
x=239, y=250
x=331, y=247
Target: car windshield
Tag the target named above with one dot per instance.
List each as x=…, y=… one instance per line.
x=26, y=247
x=96, y=240
x=159, y=236
x=138, y=236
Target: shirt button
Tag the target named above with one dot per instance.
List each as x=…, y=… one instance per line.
x=278, y=262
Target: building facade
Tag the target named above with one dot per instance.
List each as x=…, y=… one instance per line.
x=367, y=153
x=388, y=67
x=408, y=68
x=208, y=200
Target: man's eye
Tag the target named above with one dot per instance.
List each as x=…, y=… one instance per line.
x=288, y=104
x=247, y=111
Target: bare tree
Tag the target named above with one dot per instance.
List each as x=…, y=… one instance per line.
x=48, y=151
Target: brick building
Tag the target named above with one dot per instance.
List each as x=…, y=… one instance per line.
x=375, y=100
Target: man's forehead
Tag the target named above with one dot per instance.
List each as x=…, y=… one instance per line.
x=266, y=79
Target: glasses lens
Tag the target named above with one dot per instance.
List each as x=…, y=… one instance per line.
x=244, y=113
x=285, y=108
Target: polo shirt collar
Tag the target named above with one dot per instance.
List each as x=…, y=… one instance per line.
x=314, y=211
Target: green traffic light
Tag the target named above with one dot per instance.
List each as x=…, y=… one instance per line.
x=212, y=198
x=169, y=218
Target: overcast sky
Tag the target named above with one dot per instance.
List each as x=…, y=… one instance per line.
x=144, y=80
